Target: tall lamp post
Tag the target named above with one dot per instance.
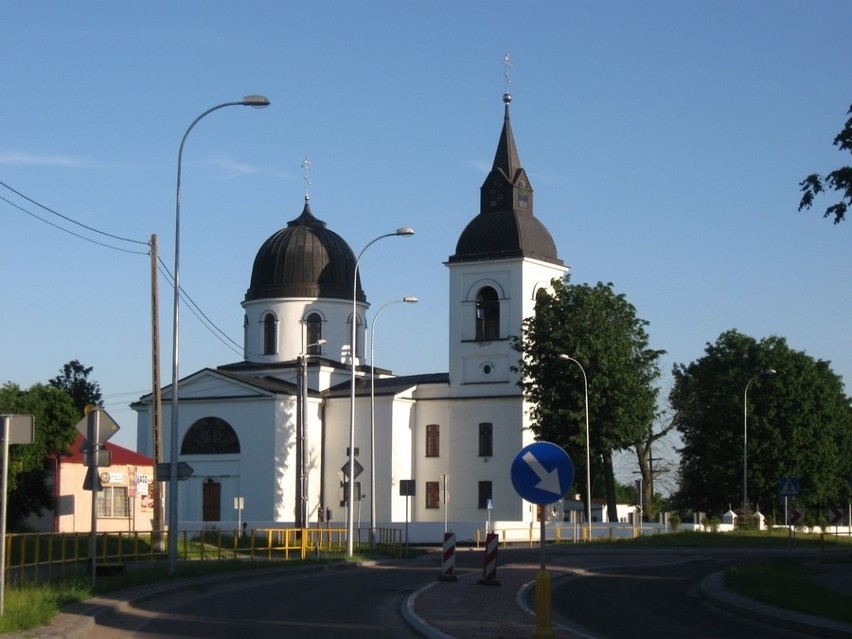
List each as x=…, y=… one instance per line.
x=766, y=373
x=406, y=300
x=301, y=436
x=350, y=497
x=257, y=101
x=588, y=455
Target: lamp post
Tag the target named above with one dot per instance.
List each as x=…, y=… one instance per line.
x=766, y=373
x=588, y=455
x=301, y=437
x=350, y=511
x=406, y=300
x=257, y=101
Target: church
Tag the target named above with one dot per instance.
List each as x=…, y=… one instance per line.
x=433, y=452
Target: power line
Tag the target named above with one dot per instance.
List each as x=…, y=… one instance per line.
x=65, y=217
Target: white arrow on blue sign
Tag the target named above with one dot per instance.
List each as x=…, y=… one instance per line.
x=542, y=473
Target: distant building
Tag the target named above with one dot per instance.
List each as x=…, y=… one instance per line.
x=125, y=502
x=454, y=434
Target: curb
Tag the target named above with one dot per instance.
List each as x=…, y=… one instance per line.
x=714, y=590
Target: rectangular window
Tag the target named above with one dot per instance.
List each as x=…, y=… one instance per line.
x=433, y=436
x=484, y=493
x=486, y=439
x=432, y=494
x=113, y=502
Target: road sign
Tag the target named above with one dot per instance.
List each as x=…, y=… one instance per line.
x=789, y=486
x=345, y=469
x=835, y=515
x=97, y=427
x=795, y=516
x=21, y=429
x=92, y=480
x=164, y=471
x=542, y=473
x=407, y=487
x=100, y=457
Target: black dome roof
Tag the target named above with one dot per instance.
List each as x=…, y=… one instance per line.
x=507, y=233
x=305, y=259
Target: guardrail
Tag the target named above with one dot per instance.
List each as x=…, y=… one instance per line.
x=34, y=557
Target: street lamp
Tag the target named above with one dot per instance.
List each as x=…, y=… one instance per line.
x=301, y=436
x=588, y=456
x=404, y=231
x=766, y=373
x=406, y=300
x=257, y=101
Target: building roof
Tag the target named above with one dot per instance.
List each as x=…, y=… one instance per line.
x=386, y=385
x=304, y=259
x=119, y=454
x=505, y=226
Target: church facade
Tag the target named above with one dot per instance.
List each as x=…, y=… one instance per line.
x=274, y=429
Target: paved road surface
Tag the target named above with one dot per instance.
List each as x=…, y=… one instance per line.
x=339, y=602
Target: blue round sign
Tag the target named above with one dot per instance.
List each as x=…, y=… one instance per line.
x=542, y=473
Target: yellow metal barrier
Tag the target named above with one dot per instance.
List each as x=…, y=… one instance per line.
x=34, y=557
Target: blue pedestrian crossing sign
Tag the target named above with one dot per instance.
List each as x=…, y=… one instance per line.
x=542, y=473
x=789, y=486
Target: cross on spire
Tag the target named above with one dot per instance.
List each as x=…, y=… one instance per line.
x=507, y=65
x=307, y=167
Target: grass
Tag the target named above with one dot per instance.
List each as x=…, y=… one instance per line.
x=787, y=583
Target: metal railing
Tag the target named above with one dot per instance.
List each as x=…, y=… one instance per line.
x=35, y=557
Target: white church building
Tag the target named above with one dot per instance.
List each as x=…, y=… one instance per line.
x=254, y=429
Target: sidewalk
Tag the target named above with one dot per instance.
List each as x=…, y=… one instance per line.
x=468, y=610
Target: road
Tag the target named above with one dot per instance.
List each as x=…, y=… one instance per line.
x=341, y=601
x=634, y=596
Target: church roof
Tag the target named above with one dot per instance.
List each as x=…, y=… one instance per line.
x=505, y=226
x=386, y=385
x=304, y=259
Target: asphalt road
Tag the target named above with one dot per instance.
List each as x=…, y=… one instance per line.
x=652, y=599
x=339, y=602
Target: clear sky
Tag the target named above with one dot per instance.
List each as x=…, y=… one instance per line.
x=664, y=141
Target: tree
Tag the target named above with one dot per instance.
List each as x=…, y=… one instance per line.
x=838, y=180
x=55, y=417
x=599, y=329
x=799, y=425
x=74, y=380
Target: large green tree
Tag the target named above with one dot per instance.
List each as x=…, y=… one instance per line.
x=55, y=416
x=799, y=424
x=838, y=180
x=599, y=329
x=74, y=380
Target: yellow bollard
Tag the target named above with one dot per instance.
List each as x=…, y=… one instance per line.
x=543, y=621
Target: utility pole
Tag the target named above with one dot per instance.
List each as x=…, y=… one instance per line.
x=156, y=403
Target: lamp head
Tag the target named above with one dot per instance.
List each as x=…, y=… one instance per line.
x=405, y=230
x=256, y=101
x=564, y=356
x=410, y=300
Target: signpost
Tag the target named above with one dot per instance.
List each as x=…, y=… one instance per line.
x=542, y=473
x=789, y=487
x=97, y=427
x=17, y=429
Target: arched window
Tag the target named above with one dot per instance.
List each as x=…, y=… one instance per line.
x=270, y=334
x=487, y=315
x=210, y=436
x=313, y=329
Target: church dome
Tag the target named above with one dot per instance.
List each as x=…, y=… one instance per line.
x=304, y=259
x=502, y=234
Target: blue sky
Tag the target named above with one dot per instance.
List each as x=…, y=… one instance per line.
x=664, y=140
